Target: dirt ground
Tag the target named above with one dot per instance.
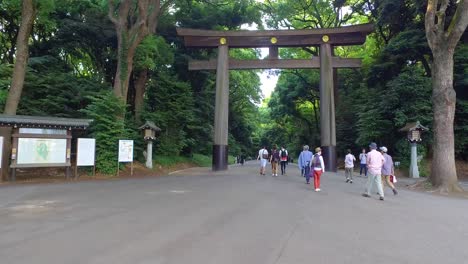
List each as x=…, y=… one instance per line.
x=57, y=175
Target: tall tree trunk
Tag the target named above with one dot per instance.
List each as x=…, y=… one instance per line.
x=443, y=170
x=443, y=40
x=140, y=88
x=126, y=52
x=28, y=14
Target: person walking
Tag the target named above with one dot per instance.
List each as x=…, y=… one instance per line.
x=375, y=161
x=363, y=162
x=304, y=162
x=274, y=160
x=388, y=170
x=263, y=157
x=242, y=159
x=349, y=166
x=284, y=160
x=319, y=168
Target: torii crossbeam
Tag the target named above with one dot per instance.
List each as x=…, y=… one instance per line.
x=326, y=39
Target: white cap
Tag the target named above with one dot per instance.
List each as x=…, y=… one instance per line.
x=384, y=149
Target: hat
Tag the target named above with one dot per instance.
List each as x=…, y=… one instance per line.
x=373, y=145
x=384, y=149
x=317, y=149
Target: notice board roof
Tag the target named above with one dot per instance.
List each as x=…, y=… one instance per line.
x=43, y=122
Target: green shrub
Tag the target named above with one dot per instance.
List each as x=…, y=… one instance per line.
x=108, y=127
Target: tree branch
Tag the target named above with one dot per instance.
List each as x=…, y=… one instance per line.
x=111, y=12
x=458, y=24
x=429, y=21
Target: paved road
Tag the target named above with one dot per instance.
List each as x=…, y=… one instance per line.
x=232, y=217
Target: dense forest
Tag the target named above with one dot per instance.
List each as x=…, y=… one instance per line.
x=120, y=62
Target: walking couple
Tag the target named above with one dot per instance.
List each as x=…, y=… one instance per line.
x=379, y=166
x=308, y=160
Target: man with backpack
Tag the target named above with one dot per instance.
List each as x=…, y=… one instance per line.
x=274, y=160
x=263, y=157
x=284, y=159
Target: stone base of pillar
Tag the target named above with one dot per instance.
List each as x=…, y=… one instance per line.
x=329, y=158
x=220, y=157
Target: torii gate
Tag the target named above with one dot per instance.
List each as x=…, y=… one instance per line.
x=326, y=39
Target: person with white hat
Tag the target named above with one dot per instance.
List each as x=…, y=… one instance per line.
x=388, y=171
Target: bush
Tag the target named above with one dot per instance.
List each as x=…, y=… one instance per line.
x=108, y=127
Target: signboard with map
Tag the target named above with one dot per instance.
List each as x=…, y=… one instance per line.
x=125, y=150
x=41, y=151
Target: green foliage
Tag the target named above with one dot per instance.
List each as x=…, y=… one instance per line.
x=51, y=89
x=170, y=105
x=5, y=80
x=152, y=52
x=107, y=128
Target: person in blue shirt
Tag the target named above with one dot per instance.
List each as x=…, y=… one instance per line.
x=304, y=162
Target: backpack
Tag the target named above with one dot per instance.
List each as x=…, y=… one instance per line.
x=284, y=154
x=276, y=156
x=316, y=161
x=264, y=155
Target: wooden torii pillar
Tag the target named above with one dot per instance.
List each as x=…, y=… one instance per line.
x=326, y=39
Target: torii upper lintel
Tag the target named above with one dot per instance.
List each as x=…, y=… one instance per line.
x=343, y=36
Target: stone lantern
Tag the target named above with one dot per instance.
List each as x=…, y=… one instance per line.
x=149, y=130
x=414, y=136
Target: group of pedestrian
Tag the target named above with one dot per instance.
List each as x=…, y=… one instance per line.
x=275, y=157
x=308, y=161
x=380, y=169
x=376, y=165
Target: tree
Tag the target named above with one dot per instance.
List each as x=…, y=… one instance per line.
x=133, y=20
x=28, y=14
x=443, y=35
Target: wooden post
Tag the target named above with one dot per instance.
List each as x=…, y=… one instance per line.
x=327, y=108
x=14, y=153
x=68, y=155
x=220, y=146
x=273, y=53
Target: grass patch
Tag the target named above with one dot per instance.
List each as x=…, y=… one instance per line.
x=167, y=161
x=201, y=160
x=197, y=159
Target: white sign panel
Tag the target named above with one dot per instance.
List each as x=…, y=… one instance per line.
x=125, y=150
x=86, y=151
x=1, y=151
x=41, y=150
